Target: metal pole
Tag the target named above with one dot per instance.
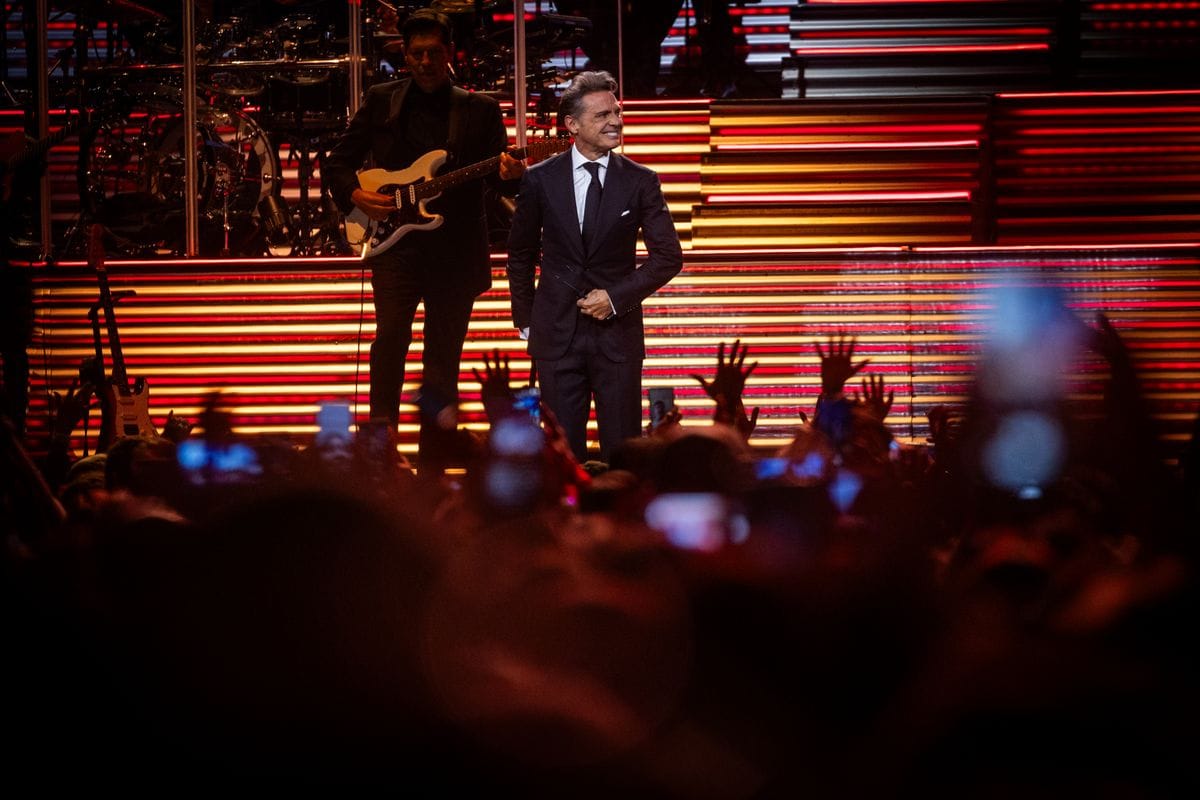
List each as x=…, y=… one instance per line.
x=355, y=56
x=621, y=50
x=191, y=174
x=43, y=125
x=520, y=90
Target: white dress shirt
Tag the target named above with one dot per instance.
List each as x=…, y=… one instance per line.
x=583, y=179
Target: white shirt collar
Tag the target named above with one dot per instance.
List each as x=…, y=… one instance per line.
x=578, y=159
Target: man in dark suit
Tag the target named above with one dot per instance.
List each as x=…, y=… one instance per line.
x=446, y=267
x=578, y=216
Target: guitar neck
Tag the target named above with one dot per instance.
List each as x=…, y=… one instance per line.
x=119, y=375
x=39, y=148
x=435, y=186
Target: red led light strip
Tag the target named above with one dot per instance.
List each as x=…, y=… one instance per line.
x=905, y=49
x=881, y=33
x=836, y=197
x=896, y=145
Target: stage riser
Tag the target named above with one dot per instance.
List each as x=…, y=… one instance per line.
x=1017, y=169
x=278, y=337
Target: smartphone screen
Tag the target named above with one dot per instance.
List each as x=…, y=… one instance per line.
x=662, y=401
x=696, y=520
x=529, y=402
x=202, y=462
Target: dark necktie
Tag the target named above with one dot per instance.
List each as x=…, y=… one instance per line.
x=591, y=203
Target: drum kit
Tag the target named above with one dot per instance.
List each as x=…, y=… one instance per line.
x=259, y=92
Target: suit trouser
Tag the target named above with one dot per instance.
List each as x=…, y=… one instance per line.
x=399, y=285
x=569, y=383
x=16, y=332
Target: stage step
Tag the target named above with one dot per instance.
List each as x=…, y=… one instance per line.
x=1076, y=168
x=278, y=337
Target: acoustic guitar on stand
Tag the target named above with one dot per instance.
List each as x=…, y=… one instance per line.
x=416, y=185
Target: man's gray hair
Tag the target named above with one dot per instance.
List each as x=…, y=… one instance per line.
x=571, y=102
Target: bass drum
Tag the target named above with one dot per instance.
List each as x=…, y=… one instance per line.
x=132, y=174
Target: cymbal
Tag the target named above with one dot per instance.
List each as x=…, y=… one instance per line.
x=461, y=6
x=549, y=33
x=271, y=65
x=122, y=11
x=380, y=37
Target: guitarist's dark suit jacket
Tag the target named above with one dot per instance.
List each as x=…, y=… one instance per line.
x=447, y=267
x=476, y=133
x=545, y=233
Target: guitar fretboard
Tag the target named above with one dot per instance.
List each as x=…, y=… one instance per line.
x=39, y=148
x=435, y=186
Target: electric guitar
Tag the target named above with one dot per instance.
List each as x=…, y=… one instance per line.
x=16, y=152
x=127, y=402
x=415, y=186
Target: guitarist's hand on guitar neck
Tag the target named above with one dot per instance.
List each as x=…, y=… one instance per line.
x=510, y=168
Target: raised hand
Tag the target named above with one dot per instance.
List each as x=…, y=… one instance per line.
x=1106, y=341
x=873, y=398
x=730, y=378
x=560, y=450
x=494, y=388
x=746, y=424
x=176, y=429
x=668, y=427
x=837, y=366
x=726, y=388
x=69, y=409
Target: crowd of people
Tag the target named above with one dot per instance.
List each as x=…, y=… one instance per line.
x=847, y=616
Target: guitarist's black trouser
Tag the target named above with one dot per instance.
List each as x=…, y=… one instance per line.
x=16, y=332
x=399, y=286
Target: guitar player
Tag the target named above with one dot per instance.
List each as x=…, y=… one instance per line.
x=16, y=279
x=447, y=267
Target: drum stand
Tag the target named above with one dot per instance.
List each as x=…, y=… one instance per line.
x=315, y=233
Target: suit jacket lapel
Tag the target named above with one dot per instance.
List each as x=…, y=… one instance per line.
x=397, y=102
x=561, y=192
x=458, y=124
x=612, y=202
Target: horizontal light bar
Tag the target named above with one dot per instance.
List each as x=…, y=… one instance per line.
x=836, y=197
x=847, y=145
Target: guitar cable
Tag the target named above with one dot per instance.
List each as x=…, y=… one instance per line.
x=87, y=418
x=362, y=312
